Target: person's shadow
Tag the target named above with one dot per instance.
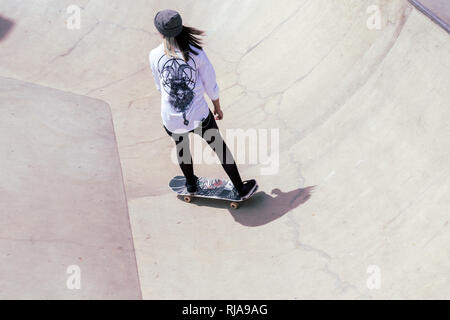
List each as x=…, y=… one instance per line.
x=263, y=208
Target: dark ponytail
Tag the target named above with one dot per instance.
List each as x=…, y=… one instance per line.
x=187, y=37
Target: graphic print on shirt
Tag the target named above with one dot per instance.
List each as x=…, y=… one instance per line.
x=179, y=79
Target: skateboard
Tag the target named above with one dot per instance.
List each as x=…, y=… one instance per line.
x=210, y=188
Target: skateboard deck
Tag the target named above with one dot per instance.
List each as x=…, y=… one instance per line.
x=211, y=188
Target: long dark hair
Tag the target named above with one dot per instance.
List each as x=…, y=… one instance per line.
x=187, y=37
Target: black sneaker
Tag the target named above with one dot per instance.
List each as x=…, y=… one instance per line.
x=247, y=188
x=192, y=187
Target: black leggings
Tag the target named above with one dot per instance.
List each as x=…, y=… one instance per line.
x=215, y=141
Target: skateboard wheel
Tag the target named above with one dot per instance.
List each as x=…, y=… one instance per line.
x=187, y=199
x=234, y=205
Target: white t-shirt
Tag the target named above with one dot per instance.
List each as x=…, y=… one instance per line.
x=182, y=86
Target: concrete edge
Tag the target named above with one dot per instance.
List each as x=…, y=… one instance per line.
x=126, y=204
x=430, y=14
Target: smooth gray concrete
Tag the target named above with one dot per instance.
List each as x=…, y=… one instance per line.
x=62, y=198
x=362, y=188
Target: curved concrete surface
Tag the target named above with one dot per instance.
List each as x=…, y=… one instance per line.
x=359, y=206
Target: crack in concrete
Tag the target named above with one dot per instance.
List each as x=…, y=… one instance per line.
x=117, y=81
x=75, y=45
x=273, y=30
x=342, y=285
x=291, y=222
x=144, y=142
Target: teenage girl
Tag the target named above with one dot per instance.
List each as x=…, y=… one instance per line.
x=182, y=74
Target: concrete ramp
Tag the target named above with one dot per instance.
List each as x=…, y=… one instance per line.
x=63, y=208
x=358, y=206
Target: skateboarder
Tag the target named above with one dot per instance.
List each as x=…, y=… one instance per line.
x=182, y=74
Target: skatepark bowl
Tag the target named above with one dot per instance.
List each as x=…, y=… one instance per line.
x=356, y=208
